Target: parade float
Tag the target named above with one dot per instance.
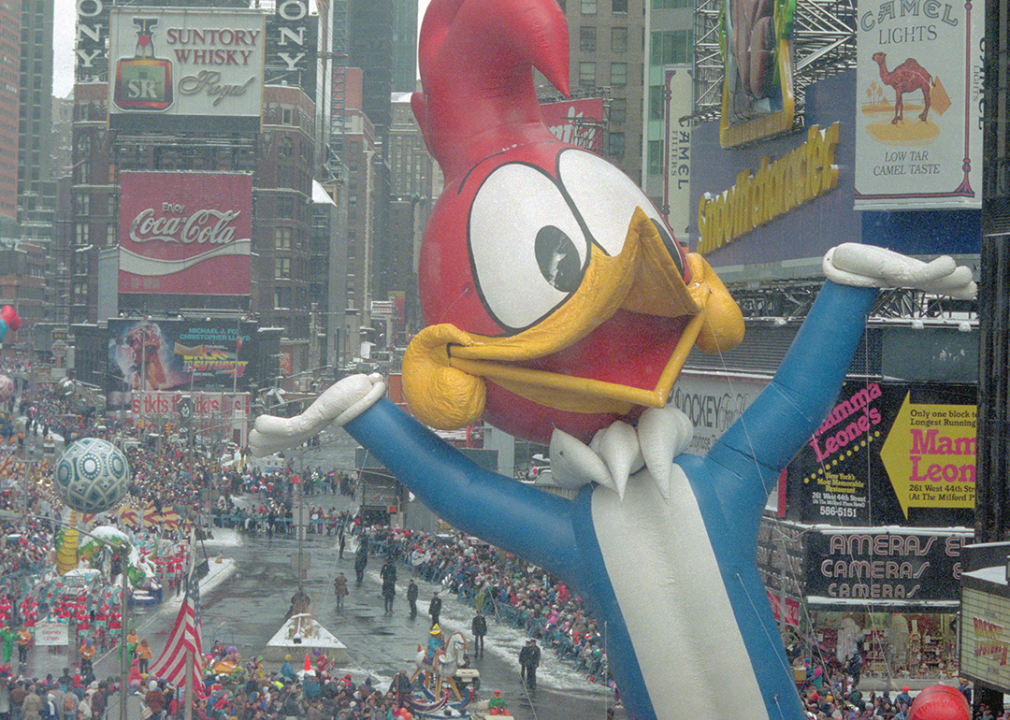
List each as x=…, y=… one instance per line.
x=560, y=308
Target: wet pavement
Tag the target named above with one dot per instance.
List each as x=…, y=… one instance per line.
x=248, y=607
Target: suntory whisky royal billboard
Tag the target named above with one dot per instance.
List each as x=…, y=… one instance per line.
x=174, y=62
x=185, y=233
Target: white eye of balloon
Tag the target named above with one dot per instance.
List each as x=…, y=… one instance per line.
x=606, y=199
x=528, y=251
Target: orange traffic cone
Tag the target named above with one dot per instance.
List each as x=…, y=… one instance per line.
x=308, y=663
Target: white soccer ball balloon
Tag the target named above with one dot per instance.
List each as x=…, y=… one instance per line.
x=6, y=388
x=92, y=475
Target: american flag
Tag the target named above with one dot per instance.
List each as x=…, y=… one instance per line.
x=184, y=639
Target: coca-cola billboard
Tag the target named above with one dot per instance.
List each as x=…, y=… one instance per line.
x=185, y=233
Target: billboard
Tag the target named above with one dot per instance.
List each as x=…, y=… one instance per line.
x=985, y=635
x=91, y=61
x=713, y=403
x=185, y=233
x=919, y=105
x=677, y=169
x=889, y=454
x=884, y=567
x=757, y=92
x=185, y=63
x=579, y=122
x=153, y=355
x=206, y=405
x=291, y=54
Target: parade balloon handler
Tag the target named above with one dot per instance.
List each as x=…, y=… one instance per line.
x=559, y=307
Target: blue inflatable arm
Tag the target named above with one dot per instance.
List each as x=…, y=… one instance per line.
x=755, y=449
x=518, y=518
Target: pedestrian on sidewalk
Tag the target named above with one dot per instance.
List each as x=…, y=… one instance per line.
x=529, y=660
x=388, y=575
x=361, y=560
x=435, y=608
x=479, y=629
x=340, y=590
x=412, y=598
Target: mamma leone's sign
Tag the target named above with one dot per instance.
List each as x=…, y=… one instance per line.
x=919, y=104
x=186, y=63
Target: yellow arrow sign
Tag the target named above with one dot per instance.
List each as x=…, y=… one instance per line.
x=930, y=456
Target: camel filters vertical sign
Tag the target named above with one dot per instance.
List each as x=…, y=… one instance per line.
x=919, y=105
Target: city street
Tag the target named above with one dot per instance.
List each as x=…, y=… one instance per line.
x=253, y=578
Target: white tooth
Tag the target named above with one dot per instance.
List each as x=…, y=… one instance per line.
x=619, y=449
x=574, y=464
x=663, y=433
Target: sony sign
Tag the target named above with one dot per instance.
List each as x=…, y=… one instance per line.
x=291, y=46
x=92, y=37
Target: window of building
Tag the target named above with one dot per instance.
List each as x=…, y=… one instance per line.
x=616, y=145
x=655, y=157
x=670, y=47
x=81, y=234
x=618, y=111
x=588, y=7
x=671, y=4
x=110, y=236
x=587, y=38
x=286, y=147
x=282, y=268
x=657, y=102
x=619, y=39
x=286, y=116
x=587, y=74
x=282, y=297
x=620, y=7
x=618, y=74
x=282, y=238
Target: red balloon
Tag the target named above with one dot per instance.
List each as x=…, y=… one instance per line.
x=940, y=702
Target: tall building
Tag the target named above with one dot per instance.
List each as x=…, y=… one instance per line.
x=370, y=36
x=149, y=133
x=405, y=22
x=607, y=57
x=415, y=183
x=668, y=43
x=10, y=74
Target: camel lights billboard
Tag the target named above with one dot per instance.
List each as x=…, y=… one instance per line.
x=919, y=105
x=185, y=233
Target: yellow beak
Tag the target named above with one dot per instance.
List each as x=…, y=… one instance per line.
x=444, y=367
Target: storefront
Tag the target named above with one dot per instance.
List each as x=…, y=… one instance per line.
x=893, y=593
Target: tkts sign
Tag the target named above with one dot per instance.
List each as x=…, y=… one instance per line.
x=185, y=233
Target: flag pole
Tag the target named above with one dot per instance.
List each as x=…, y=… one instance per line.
x=191, y=646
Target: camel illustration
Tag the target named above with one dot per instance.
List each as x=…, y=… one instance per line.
x=907, y=77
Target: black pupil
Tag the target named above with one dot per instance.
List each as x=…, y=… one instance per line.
x=671, y=245
x=558, y=259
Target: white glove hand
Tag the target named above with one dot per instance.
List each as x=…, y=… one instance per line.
x=868, y=266
x=339, y=404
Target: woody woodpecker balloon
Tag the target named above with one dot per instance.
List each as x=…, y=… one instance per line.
x=560, y=308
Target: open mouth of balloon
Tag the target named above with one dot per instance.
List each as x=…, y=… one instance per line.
x=631, y=359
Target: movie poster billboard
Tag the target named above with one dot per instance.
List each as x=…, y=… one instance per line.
x=919, y=77
x=186, y=63
x=579, y=122
x=157, y=355
x=889, y=454
x=185, y=233
x=756, y=43
x=677, y=169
